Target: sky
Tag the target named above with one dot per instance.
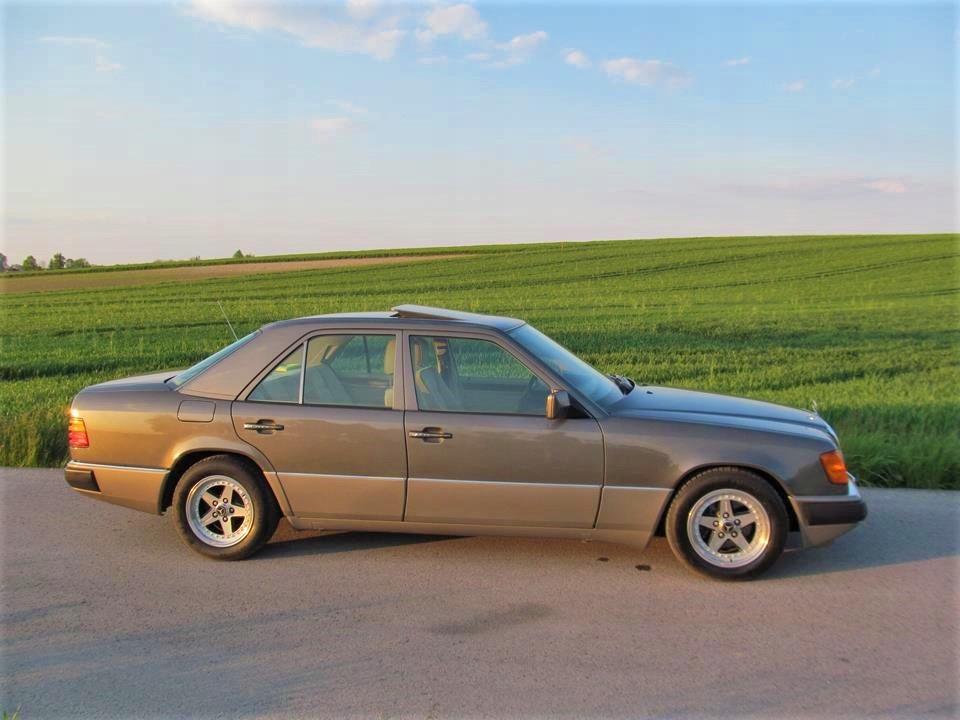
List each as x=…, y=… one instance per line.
x=142, y=131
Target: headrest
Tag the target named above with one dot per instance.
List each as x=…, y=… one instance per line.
x=416, y=348
x=389, y=355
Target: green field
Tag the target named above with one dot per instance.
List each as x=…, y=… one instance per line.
x=868, y=327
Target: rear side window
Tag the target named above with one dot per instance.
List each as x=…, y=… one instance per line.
x=351, y=370
x=347, y=370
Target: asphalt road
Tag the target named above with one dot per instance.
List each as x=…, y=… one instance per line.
x=106, y=614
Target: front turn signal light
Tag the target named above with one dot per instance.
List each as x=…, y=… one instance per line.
x=77, y=433
x=834, y=466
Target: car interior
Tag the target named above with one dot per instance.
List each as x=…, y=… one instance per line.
x=450, y=375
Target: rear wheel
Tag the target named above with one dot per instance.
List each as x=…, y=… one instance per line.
x=222, y=508
x=727, y=523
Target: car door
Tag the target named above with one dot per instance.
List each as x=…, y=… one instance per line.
x=479, y=447
x=325, y=418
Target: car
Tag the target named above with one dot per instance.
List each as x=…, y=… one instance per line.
x=427, y=420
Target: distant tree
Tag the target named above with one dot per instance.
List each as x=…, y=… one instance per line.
x=238, y=255
x=57, y=262
x=195, y=258
x=30, y=263
x=78, y=263
x=3, y=262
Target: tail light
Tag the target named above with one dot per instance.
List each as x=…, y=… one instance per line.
x=834, y=466
x=77, y=433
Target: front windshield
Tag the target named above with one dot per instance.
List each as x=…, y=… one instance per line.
x=191, y=372
x=574, y=371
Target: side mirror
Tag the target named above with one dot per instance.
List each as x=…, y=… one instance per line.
x=558, y=404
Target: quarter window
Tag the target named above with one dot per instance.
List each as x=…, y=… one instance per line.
x=282, y=385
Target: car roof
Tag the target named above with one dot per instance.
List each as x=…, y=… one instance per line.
x=400, y=313
x=226, y=378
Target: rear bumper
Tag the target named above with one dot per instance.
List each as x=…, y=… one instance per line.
x=824, y=518
x=81, y=479
x=134, y=487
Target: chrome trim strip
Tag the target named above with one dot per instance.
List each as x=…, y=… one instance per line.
x=340, y=477
x=303, y=371
x=638, y=487
x=75, y=464
x=505, y=482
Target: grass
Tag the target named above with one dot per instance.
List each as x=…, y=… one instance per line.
x=868, y=327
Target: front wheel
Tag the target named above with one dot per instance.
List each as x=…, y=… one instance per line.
x=222, y=509
x=727, y=523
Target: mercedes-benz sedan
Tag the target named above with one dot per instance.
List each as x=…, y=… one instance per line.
x=426, y=420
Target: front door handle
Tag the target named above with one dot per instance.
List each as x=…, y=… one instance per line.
x=430, y=434
x=264, y=427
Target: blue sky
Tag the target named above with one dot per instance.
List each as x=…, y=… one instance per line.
x=167, y=130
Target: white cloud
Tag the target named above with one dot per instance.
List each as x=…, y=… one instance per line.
x=875, y=72
x=87, y=42
x=433, y=60
x=383, y=44
x=462, y=20
x=424, y=37
x=734, y=62
x=478, y=57
x=353, y=28
x=362, y=9
x=796, y=86
x=524, y=43
x=843, y=83
x=577, y=58
x=508, y=62
x=349, y=107
x=647, y=72
x=519, y=49
x=824, y=186
x=104, y=64
x=97, y=47
x=889, y=187
x=586, y=147
x=326, y=128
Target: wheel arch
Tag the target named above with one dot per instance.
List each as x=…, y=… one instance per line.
x=190, y=458
x=775, y=482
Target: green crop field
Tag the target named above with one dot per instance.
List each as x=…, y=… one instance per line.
x=868, y=327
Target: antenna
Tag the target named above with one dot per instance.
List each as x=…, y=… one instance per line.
x=228, y=321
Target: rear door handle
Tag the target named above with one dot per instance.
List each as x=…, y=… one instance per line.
x=263, y=427
x=430, y=434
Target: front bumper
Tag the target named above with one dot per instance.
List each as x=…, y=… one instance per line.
x=824, y=518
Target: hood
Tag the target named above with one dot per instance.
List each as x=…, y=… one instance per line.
x=644, y=400
x=153, y=381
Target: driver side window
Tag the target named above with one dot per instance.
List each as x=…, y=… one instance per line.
x=473, y=376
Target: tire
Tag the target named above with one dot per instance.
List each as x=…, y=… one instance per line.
x=198, y=503
x=727, y=523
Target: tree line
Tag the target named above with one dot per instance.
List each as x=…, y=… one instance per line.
x=57, y=262
x=60, y=262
